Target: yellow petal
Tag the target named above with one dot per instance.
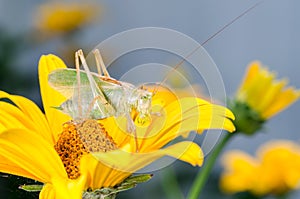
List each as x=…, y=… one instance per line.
x=260, y=84
x=252, y=71
x=113, y=167
x=277, y=166
x=239, y=174
x=26, y=115
x=101, y=175
x=238, y=160
x=183, y=116
x=47, y=192
x=64, y=188
x=8, y=165
x=73, y=189
x=23, y=150
x=263, y=93
x=131, y=162
x=51, y=97
x=196, y=106
x=286, y=156
x=186, y=151
x=27, y=107
x=11, y=117
x=178, y=118
x=284, y=99
x=270, y=94
x=162, y=96
x=116, y=128
x=2, y=127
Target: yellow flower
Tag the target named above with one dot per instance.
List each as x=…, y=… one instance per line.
x=263, y=93
x=239, y=169
x=275, y=170
x=64, y=17
x=52, y=149
x=260, y=97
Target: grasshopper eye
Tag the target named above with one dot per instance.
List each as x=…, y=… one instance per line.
x=144, y=97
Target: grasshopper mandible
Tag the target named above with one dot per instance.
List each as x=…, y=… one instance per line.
x=97, y=96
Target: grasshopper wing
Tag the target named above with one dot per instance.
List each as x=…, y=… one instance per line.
x=65, y=81
x=86, y=99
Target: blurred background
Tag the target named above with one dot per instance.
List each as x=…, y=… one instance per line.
x=269, y=33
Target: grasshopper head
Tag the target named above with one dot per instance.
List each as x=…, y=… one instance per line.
x=143, y=106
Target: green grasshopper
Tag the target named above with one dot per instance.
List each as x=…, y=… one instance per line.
x=97, y=96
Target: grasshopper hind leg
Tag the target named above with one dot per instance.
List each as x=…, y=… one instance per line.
x=77, y=65
x=100, y=64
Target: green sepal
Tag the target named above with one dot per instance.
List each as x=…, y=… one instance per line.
x=136, y=179
x=111, y=192
x=57, y=108
x=32, y=187
x=248, y=121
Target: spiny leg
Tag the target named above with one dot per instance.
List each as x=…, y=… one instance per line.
x=96, y=91
x=100, y=63
x=78, y=82
x=82, y=59
x=88, y=73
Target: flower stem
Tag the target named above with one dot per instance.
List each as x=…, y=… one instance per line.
x=204, y=172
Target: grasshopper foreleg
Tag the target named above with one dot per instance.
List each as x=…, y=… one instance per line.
x=132, y=129
x=130, y=124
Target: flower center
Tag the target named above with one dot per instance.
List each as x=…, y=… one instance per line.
x=81, y=138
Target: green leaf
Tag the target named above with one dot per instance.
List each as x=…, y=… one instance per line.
x=31, y=188
x=138, y=178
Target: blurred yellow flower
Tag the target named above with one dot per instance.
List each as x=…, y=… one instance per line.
x=260, y=97
x=65, y=17
x=263, y=93
x=275, y=170
x=52, y=149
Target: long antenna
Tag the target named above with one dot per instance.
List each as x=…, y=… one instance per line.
x=207, y=40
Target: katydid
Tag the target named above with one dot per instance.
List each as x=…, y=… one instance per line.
x=96, y=96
